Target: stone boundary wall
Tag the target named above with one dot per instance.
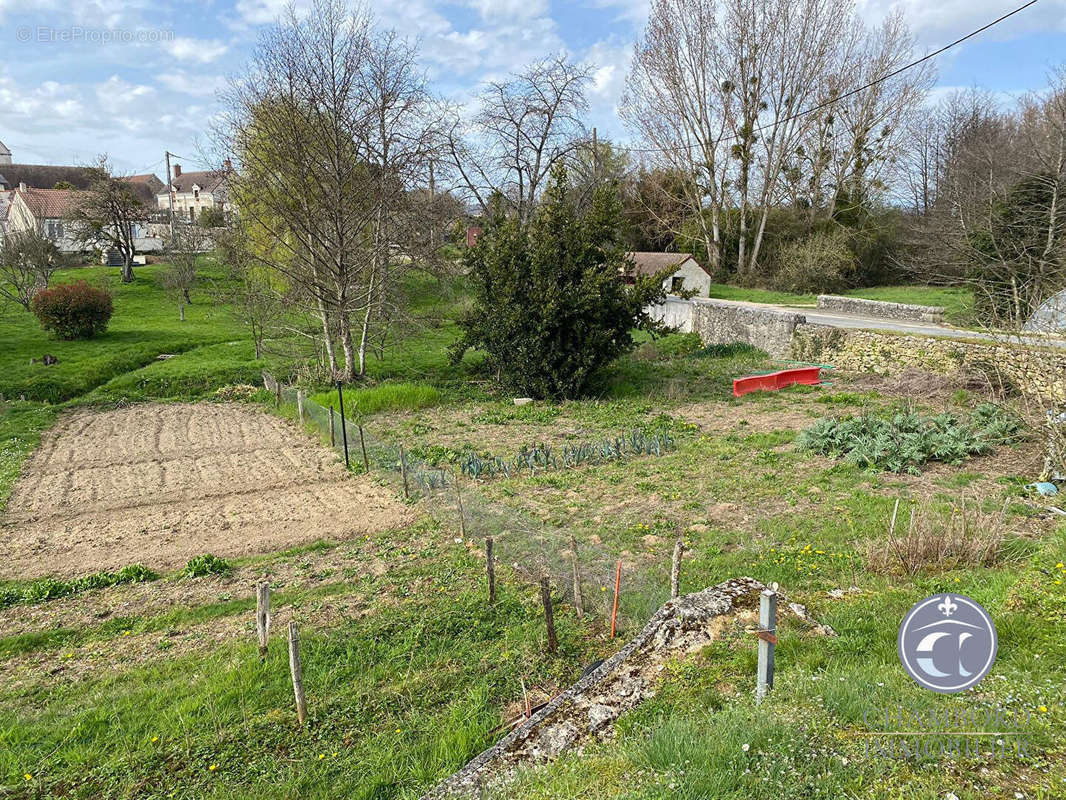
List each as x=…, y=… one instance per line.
x=674, y=312
x=880, y=309
x=588, y=708
x=1039, y=372
x=725, y=322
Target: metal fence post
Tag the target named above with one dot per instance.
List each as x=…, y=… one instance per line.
x=767, y=634
x=344, y=427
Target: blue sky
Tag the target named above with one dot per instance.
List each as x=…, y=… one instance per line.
x=133, y=78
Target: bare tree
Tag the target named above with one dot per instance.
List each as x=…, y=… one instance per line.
x=27, y=263
x=187, y=246
x=524, y=127
x=106, y=214
x=246, y=287
x=721, y=92
x=330, y=125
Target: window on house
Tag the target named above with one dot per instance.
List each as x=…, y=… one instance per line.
x=196, y=194
x=677, y=285
x=53, y=229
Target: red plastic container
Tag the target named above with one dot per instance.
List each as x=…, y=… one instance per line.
x=772, y=381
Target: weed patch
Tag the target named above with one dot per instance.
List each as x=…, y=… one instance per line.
x=51, y=588
x=207, y=564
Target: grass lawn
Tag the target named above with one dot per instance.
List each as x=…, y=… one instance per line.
x=156, y=690
x=956, y=301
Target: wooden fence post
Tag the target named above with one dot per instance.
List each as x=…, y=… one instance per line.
x=675, y=569
x=617, y=591
x=362, y=445
x=300, y=404
x=491, y=568
x=767, y=634
x=262, y=617
x=549, y=620
x=277, y=394
x=332, y=428
x=577, y=580
x=296, y=668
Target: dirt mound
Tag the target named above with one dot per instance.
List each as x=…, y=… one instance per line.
x=158, y=484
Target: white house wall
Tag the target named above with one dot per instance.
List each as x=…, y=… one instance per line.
x=694, y=276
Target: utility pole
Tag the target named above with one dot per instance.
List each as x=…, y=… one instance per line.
x=170, y=197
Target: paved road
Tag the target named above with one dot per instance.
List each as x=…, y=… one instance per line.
x=837, y=319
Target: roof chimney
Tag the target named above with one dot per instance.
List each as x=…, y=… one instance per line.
x=22, y=186
x=228, y=165
x=177, y=170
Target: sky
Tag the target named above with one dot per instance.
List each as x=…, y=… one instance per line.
x=132, y=78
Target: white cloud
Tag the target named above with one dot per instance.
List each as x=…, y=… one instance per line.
x=937, y=24
x=202, y=51
x=195, y=85
x=509, y=9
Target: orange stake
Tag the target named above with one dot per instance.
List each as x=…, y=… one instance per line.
x=617, y=586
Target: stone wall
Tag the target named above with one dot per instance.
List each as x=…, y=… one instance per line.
x=723, y=322
x=879, y=309
x=674, y=312
x=1037, y=371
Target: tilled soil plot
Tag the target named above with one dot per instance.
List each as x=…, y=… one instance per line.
x=158, y=484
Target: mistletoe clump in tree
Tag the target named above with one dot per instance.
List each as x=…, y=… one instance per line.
x=550, y=306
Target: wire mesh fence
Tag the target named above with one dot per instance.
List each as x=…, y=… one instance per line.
x=530, y=546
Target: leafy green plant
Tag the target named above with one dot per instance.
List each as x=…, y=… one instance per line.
x=52, y=588
x=207, y=564
x=540, y=457
x=908, y=440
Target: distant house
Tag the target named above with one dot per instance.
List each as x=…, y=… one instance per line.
x=5, y=206
x=46, y=211
x=48, y=176
x=473, y=233
x=196, y=191
x=686, y=273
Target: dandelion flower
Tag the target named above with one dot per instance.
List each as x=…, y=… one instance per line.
x=321, y=756
x=1043, y=709
x=212, y=768
x=28, y=777
x=155, y=738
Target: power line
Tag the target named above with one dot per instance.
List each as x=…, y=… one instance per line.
x=863, y=88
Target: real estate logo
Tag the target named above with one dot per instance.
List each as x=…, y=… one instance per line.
x=947, y=643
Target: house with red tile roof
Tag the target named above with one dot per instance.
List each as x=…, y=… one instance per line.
x=46, y=211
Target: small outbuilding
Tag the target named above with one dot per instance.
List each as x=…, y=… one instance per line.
x=686, y=274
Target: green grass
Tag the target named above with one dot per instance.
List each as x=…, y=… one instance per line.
x=408, y=670
x=723, y=291
x=363, y=403
x=145, y=324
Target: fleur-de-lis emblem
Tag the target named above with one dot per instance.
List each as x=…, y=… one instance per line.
x=947, y=607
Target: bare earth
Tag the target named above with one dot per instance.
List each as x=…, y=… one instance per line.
x=159, y=484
